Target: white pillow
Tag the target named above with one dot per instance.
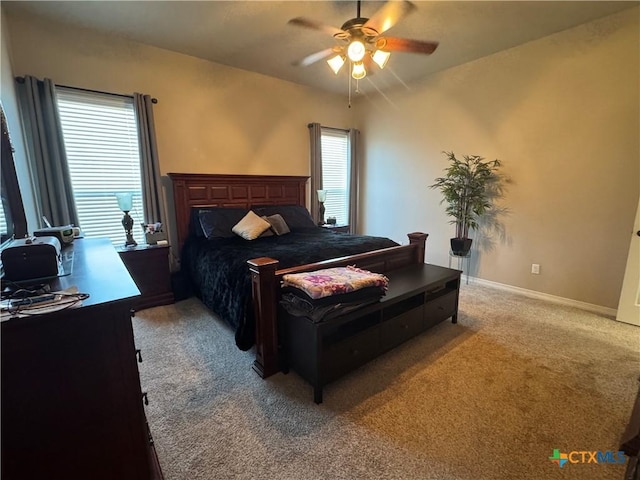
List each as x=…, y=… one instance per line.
x=251, y=226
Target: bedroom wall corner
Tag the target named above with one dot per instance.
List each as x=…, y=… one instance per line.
x=563, y=114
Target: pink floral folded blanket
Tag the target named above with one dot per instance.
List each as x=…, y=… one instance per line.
x=334, y=281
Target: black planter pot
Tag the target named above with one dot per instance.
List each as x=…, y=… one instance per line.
x=461, y=246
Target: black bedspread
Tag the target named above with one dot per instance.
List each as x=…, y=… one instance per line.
x=220, y=276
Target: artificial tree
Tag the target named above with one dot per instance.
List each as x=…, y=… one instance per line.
x=468, y=187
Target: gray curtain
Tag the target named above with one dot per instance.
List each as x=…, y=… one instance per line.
x=354, y=162
x=149, y=164
x=315, y=141
x=47, y=156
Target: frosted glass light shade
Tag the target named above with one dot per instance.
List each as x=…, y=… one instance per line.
x=381, y=58
x=125, y=201
x=322, y=196
x=356, y=51
x=358, y=71
x=336, y=63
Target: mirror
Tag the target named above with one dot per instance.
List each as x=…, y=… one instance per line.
x=13, y=223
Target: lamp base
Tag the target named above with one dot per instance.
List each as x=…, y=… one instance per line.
x=130, y=242
x=127, y=223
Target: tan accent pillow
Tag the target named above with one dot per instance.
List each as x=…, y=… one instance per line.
x=251, y=226
x=268, y=232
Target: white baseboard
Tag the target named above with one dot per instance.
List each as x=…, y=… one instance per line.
x=590, y=307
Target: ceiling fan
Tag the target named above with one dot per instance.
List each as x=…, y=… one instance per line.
x=360, y=40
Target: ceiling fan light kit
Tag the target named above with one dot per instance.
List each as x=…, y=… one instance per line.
x=356, y=52
x=360, y=38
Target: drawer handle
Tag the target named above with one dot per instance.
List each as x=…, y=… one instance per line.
x=436, y=290
x=440, y=307
x=144, y=398
x=355, y=352
x=139, y=354
x=405, y=327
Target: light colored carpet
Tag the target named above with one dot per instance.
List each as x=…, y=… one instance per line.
x=488, y=398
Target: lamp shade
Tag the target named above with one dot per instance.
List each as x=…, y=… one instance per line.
x=322, y=195
x=125, y=201
x=358, y=71
x=356, y=51
x=381, y=57
x=336, y=63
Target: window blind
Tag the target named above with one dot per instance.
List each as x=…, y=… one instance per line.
x=335, y=170
x=4, y=228
x=101, y=141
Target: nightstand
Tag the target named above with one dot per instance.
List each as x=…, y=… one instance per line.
x=149, y=267
x=337, y=228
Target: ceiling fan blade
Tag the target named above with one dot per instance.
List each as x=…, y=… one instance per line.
x=394, y=44
x=314, y=57
x=389, y=14
x=306, y=23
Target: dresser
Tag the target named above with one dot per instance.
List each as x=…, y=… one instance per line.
x=72, y=406
x=630, y=443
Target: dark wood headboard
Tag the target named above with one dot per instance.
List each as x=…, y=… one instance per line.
x=214, y=190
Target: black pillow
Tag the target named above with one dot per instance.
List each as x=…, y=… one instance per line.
x=296, y=216
x=278, y=225
x=217, y=222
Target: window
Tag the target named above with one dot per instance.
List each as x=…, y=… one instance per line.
x=101, y=141
x=335, y=173
x=4, y=227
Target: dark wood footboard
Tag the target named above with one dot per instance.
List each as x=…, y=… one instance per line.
x=266, y=278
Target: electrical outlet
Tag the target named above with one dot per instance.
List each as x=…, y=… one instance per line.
x=535, y=268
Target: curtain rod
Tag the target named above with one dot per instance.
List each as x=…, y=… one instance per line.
x=330, y=128
x=153, y=100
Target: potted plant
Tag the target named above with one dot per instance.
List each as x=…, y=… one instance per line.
x=468, y=188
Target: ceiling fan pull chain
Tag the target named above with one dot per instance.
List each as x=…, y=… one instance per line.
x=349, y=91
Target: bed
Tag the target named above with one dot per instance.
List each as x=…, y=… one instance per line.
x=240, y=280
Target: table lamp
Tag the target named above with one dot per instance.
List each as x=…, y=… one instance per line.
x=322, y=197
x=125, y=203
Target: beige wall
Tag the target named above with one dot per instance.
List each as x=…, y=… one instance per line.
x=9, y=100
x=209, y=118
x=562, y=113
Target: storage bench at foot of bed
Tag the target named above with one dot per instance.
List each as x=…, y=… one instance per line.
x=419, y=297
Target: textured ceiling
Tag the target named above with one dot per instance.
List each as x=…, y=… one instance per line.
x=255, y=36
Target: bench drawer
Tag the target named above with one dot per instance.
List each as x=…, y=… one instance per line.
x=439, y=309
x=396, y=330
x=349, y=354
